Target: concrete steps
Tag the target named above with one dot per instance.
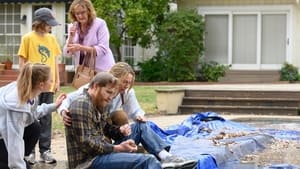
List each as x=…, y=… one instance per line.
x=251, y=76
x=240, y=102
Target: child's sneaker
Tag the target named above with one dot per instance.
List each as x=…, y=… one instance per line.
x=46, y=157
x=31, y=158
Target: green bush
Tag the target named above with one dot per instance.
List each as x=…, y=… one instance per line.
x=289, y=72
x=180, y=45
x=211, y=71
x=152, y=70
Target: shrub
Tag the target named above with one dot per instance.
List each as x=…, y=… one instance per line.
x=152, y=70
x=211, y=71
x=289, y=72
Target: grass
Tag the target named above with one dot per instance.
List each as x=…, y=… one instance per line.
x=57, y=122
x=145, y=94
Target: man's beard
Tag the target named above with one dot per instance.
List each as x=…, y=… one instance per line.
x=99, y=100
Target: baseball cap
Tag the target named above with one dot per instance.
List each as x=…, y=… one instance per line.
x=45, y=14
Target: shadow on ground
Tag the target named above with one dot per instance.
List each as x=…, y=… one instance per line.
x=58, y=165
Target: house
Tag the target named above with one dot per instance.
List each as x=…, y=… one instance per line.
x=16, y=19
x=254, y=35
x=250, y=34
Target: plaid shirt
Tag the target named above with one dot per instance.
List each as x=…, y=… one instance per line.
x=86, y=136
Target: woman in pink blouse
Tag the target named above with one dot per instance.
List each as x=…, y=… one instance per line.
x=88, y=35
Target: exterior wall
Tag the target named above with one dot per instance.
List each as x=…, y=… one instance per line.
x=296, y=35
x=59, y=31
x=194, y=3
x=293, y=6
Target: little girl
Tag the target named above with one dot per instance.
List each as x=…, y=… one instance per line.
x=18, y=111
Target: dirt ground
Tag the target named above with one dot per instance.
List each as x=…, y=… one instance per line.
x=278, y=152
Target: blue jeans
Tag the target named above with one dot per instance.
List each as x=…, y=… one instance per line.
x=140, y=133
x=46, y=123
x=126, y=161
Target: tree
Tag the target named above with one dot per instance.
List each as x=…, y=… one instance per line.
x=134, y=19
x=181, y=41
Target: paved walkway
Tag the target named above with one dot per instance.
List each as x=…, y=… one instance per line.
x=263, y=86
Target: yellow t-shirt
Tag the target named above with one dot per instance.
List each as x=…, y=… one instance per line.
x=40, y=49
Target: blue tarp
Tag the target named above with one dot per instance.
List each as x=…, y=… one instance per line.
x=215, y=142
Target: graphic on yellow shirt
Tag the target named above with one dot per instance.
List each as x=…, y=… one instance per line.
x=45, y=53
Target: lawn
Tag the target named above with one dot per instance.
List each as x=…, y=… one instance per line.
x=145, y=94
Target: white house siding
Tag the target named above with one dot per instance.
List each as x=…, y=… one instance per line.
x=288, y=8
x=295, y=52
x=193, y=3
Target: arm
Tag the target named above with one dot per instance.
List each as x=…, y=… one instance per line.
x=57, y=80
x=22, y=61
x=102, y=46
x=70, y=39
x=22, y=53
x=43, y=109
x=70, y=98
x=131, y=105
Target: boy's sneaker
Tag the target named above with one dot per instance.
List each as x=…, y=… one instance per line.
x=175, y=162
x=28, y=166
x=31, y=158
x=46, y=157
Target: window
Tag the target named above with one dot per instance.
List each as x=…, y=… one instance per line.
x=247, y=40
x=10, y=30
x=244, y=39
x=128, y=51
x=216, y=38
x=273, y=30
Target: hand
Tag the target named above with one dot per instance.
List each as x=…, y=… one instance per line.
x=59, y=99
x=141, y=119
x=126, y=146
x=125, y=129
x=72, y=48
x=66, y=117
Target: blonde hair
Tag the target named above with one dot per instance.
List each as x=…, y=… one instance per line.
x=121, y=70
x=86, y=4
x=30, y=76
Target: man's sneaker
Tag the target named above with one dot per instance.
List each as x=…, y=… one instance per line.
x=31, y=158
x=175, y=162
x=46, y=157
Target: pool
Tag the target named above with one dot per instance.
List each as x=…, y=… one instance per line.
x=271, y=123
x=283, y=153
